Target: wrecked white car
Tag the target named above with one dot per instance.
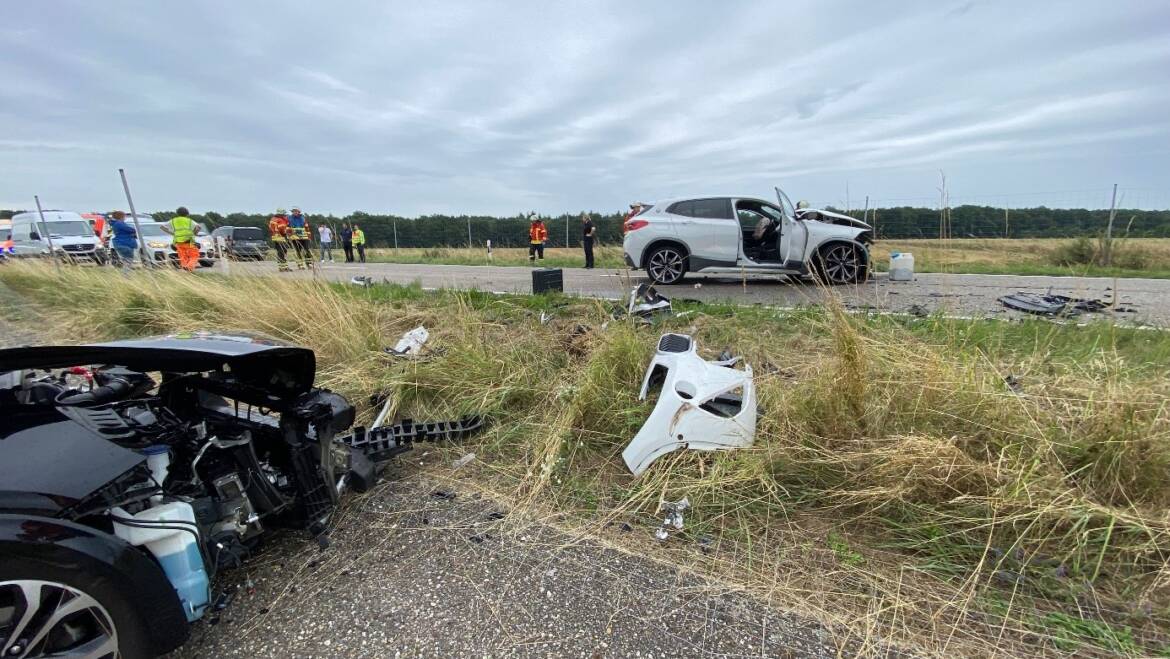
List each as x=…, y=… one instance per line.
x=704, y=405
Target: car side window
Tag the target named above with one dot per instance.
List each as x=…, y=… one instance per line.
x=714, y=209
x=685, y=208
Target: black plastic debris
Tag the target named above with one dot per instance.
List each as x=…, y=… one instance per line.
x=445, y=495
x=496, y=515
x=1051, y=305
x=1013, y=383
x=918, y=311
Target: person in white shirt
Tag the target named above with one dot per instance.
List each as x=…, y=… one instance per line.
x=325, y=234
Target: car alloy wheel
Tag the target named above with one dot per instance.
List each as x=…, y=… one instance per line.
x=49, y=619
x=666, y=265
x=840, y=264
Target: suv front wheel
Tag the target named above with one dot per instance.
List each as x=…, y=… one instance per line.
x=666, y=265
x=841, y=263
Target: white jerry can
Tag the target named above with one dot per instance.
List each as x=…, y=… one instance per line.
x=901, y=266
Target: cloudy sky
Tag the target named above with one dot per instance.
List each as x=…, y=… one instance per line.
x=486, y=107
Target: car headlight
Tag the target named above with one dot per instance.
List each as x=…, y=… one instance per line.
x=156, y=244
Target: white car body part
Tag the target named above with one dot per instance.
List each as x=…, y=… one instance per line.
x=411, y=343
x=704, y=406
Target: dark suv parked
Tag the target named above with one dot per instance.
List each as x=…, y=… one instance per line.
x=240, y=243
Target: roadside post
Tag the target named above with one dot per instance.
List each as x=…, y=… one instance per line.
x=48, y=234
x=134, y=216
x=489, y=248
x=1109, y=229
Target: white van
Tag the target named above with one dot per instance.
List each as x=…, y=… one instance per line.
x=71, y=234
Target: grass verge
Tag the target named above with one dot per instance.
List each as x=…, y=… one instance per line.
x=901, y=484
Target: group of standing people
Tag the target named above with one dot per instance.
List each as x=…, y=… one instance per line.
x=293, y=230
x=182, y=229
x=538, y=236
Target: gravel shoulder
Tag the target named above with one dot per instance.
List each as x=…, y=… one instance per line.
x=414, y=573
x=956, y=294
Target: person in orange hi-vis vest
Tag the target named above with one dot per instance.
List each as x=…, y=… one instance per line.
x=537, y=235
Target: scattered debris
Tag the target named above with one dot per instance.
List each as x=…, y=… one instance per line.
x=1052, y=305
x=1013, y=383
x=496, y=514
x=674, y=517
x=411, y=343
x=445, y=495
x=361, y=280
x=462, y=462
x=918, y=311
x=703, y=405
x=480, y=537
x=545, y=317
x=706, y=543
x=645, y=302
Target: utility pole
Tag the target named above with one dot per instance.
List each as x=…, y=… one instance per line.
x=566, y=232
x=469, y=245
x=1006, y=230
x=396, y=236
x=1109, y=228
x=48, y=234
x=134, y=216
x=847, y=207
x=865, y=213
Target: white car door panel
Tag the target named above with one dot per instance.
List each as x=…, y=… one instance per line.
x=709, y=229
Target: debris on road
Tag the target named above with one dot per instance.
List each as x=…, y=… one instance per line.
x=462, y=462
x=703, y=405
x=1052, y=305
x=411, y=343
x=674, y=517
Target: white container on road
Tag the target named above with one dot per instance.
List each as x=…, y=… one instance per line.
x=901, y=266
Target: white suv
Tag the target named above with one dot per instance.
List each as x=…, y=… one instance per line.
x=731, y=235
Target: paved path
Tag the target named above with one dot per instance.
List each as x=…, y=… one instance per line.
x=974, y=295
x=413, y=574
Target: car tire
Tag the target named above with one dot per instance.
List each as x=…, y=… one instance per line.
x=105, y=617
x=667, y=264
x=838, y=264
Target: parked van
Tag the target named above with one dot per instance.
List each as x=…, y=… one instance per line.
x=240, y=243
x=71, y=234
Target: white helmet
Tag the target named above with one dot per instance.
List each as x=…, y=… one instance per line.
x=801, y=205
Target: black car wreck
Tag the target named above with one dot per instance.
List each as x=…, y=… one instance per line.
x=133, y=471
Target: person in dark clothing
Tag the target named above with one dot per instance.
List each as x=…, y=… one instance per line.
x=347, y=242
x=588, y=231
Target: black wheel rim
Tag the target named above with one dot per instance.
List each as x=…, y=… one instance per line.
x=49, y=619
x=666, y=266
x=841, y=264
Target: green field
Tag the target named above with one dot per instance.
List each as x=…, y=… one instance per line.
x=962, y=487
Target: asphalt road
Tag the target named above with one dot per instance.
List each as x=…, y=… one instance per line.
x=415, y=570
x=967, y=295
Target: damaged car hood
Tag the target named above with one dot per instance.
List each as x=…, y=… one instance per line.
x=283, y=372
x=830, y=217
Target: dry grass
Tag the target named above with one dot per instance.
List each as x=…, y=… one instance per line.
x=897, y=487
x=1025, y=256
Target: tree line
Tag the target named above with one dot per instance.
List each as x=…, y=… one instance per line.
x=890, y=223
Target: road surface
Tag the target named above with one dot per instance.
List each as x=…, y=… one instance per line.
x=960, y=294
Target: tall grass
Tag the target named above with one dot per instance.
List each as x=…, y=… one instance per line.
x=898, y=485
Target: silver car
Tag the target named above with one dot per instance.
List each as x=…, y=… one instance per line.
x=733, y=235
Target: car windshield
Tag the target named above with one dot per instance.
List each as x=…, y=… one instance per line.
x=68, y=228
x=248, y=233
x=152, y=230
x=5, y=234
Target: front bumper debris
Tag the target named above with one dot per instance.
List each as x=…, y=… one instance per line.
x=703, y=406
x=384, y=442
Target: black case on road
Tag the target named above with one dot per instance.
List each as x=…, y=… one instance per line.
x=547, y=279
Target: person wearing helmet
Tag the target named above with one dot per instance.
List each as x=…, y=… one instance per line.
x=278, y=233
x=301, y=237
x=537, y=235
x=801, y=205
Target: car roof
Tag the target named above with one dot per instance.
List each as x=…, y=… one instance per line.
x=667, y=202
x=50, y=216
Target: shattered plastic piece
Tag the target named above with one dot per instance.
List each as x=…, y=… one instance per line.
x=381, y=444
x=645, y=301
x=703, y=405
x=362, y=281
x=1051, y=305
x=411, y=343
x=462, y=462
x=674, y=518
x=445, y=495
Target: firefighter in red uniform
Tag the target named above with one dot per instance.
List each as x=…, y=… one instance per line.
x=278, y=232
x=537, y=235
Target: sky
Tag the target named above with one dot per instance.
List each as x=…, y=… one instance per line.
x=498, y=108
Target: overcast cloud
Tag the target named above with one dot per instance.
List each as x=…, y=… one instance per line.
x=483, y=107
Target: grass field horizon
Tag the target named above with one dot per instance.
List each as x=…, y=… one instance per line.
x=960, y=487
